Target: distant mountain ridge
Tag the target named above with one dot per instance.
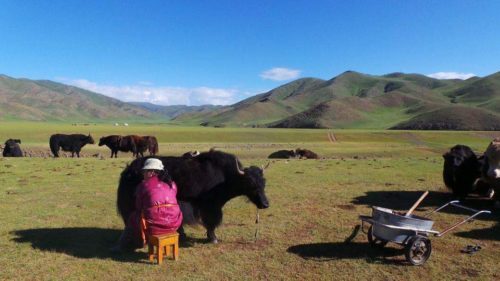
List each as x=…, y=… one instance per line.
x=173, y=111
x=349, y=100
x=356, y=100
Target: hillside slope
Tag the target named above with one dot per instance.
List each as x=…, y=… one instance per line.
x=356, y=100
x=23, y=99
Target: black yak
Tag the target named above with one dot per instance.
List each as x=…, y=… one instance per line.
x=12, y=148
x=206, y=182
x=282, y=154
x=461, y=170
x=71, y=143
x=113, y=142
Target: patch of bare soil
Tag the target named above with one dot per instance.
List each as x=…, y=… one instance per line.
x=347, y=207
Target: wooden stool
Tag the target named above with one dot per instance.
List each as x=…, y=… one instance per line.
x=165, y=244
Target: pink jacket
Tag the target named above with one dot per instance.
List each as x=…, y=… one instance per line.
x=158, y=203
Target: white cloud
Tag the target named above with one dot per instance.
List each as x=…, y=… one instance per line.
x=159, y=95
x=280, y=74
x=451, y=75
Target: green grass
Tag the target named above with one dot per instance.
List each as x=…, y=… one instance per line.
x=59, y=216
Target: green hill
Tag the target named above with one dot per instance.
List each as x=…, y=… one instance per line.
x=356, y=100
x=349, y=100
x=23, y=99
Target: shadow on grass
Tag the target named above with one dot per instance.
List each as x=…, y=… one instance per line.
x=403, y=200
x=81, y=242
x=342, y=250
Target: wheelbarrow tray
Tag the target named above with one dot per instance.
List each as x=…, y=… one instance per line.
x=391, y=226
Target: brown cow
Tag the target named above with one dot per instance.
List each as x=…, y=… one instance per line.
x=134, y=143
x=152, y=145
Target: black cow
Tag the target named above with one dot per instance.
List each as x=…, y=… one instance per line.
x=206, y=183
x=71, y=143
x=113, y=142
x=461, y=170
x=282, y=154
x=305, y=153
x=12, y=148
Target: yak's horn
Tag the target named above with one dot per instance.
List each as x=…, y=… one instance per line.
x=238, y=168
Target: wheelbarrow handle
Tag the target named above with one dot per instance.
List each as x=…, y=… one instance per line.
x=455, y=203
x=462, y=222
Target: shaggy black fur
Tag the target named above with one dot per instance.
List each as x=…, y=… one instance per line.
x=206, y=182
x=282, y=154
x=12, y=148
x=461, y=170
x=71, y=143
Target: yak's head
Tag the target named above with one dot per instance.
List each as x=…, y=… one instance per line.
x=130, y=177
x=102, y=141
x=89, y=139
x=255, y=184
x=11, y=142
x=458, y=156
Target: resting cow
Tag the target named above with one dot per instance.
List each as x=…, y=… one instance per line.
x=461, y=170
x=70, y=143
x=282, y=154
x=205, y=184
x=305, y=153
x=12, y=148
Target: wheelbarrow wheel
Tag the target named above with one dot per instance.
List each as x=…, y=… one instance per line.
x=375, y=242
x=418, y=250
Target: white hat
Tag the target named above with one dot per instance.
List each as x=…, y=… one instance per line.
x=153, y=164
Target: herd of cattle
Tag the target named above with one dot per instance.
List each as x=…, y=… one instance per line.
x=208, y=180
x=132, y=143
x=75, y=142
x=465, y=173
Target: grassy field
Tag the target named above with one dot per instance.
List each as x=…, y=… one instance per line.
x=59, y=216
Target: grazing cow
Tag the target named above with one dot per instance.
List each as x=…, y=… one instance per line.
x=461, y=170
x=152, y=145
x=206, y=183
x=282, y=154
x=305, y=153
x=12, y=148
x=71, y=143
x=113, y=142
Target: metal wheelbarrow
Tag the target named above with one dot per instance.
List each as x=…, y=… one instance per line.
x=408, y=230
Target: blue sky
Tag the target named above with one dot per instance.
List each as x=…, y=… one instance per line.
x=220, y=52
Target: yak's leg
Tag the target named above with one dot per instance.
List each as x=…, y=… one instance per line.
x=211, y=219
x=182, y=234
